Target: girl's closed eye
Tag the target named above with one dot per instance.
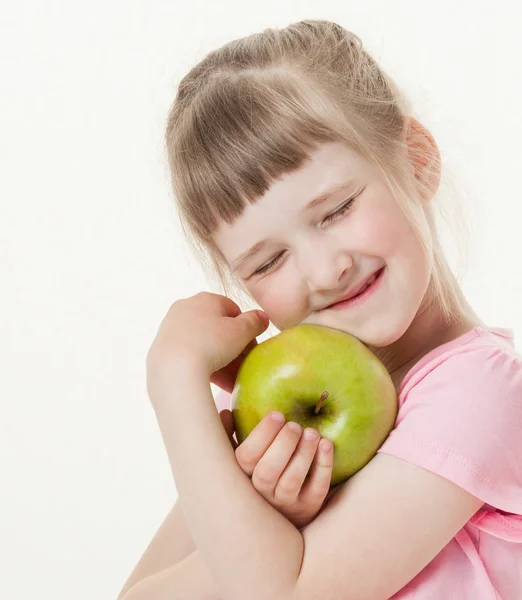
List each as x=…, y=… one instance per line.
x=342, y=210
x=335, y=215
x=269, y=265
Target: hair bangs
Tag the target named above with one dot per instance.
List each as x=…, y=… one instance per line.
x=264, y=131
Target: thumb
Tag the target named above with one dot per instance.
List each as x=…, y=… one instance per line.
x=255, y=319
x=244, y=329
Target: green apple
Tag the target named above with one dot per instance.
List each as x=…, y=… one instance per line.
x=323, y=378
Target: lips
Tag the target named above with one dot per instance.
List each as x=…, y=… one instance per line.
x=359, y=287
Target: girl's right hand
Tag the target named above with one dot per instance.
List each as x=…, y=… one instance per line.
x=290, y=471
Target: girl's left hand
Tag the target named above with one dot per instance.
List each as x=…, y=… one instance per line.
x=207, y=333
x=291, y=472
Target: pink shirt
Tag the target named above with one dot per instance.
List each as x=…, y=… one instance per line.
x=460, y=416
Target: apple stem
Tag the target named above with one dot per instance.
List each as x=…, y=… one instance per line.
x=323, y=397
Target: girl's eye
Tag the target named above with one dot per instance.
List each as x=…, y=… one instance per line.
x=269, y=265
x=338, y=213
x=341, y=211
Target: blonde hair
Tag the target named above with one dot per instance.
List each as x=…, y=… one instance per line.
x=256, y=108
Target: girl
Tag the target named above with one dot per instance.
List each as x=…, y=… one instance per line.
x=301, y=175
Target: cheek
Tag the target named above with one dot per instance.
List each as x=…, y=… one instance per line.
x=382, y=228
x=390, y=235
x=282, y=301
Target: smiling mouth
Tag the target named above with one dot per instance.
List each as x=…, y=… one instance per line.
x=366, y=285
x=362, y=292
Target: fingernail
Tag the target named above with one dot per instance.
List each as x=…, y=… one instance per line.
x=294, y=426
x=326, y=445
x=277, y=417
x=310, y=434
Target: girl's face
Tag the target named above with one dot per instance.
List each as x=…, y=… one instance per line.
x=311, y=257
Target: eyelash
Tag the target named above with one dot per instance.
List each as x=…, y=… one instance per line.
x=338, y=213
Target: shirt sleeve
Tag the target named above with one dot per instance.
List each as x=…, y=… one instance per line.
x=463, y=421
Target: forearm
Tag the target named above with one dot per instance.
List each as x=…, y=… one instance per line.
x=171, y=544
x=250, y=549
x=189, y=579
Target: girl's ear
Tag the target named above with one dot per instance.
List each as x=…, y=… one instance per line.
x=424, y=157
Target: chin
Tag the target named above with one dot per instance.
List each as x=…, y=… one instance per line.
x=382, y=337
x=377, y=334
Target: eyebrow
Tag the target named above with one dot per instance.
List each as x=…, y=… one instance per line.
x=314, y=203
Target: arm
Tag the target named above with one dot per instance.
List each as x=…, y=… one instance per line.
x=383, y=511
x=300, y=503
x=280, y=459
x=231, y=524
x=379, y=517
x=170, y=545
x=172, y=542
x=392, y=514
x=186, y=580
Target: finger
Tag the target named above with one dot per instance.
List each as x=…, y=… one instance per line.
x=225, y=378
x=318, y=484
x=250, y=451
x=275, y=459
x=293, y=477
x=244, y=328
x=250, y=324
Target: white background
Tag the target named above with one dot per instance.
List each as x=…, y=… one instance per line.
x=92, y=255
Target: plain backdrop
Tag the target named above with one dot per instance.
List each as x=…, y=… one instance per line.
x=92, y=255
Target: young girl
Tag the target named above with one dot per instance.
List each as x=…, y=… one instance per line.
x=302, y=176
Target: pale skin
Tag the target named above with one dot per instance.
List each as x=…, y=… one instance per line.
x=277, y=458
x=377, y=517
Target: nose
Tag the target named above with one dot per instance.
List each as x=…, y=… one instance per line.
x=325, y=268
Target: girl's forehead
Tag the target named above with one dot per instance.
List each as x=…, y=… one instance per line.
x=334, y=170
x=331, y=168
